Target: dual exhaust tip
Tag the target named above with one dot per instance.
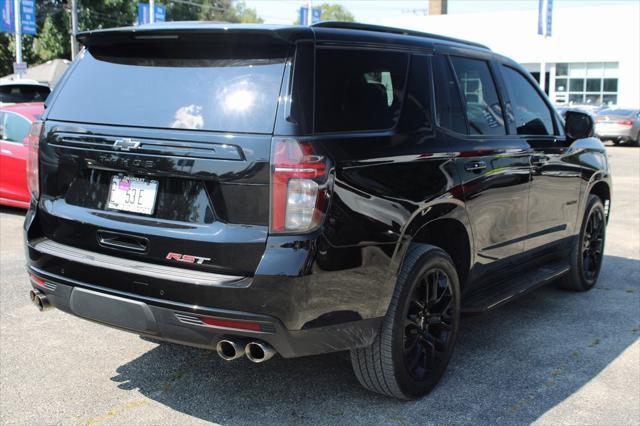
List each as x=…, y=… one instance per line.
x=255, y=351
x=40, y=300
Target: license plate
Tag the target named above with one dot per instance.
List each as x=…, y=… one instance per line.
x=133, y=194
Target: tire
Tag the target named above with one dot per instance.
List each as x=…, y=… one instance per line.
x=588, y=249
x=398, y=364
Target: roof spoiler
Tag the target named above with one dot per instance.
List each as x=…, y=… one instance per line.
x=196, y=33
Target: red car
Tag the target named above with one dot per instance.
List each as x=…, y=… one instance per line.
x=15, y=123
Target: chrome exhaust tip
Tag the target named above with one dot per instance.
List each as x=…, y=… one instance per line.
x=259, y=352
x=229, y=350
x=40, y=300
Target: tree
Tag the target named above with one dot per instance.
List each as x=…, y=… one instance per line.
x=212, y=10
x=332, y=12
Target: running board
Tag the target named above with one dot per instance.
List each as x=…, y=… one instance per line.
x=489, y=298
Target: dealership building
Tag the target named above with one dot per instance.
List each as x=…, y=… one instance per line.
x=592, y=55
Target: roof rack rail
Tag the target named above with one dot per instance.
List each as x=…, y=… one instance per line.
x=392, y=30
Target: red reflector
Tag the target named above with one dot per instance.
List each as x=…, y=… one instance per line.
x=626, y=122
x=240, y=325
x=37, y=280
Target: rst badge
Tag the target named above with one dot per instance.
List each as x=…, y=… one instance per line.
x=187, y=258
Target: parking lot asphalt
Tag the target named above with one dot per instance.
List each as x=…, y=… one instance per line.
x=551, y=357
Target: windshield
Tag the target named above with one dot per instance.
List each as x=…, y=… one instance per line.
x=19, y=93
x=174, y=88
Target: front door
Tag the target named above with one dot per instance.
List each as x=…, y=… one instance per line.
x=555, y=175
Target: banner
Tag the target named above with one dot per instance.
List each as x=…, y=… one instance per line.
x=27, y=17
x=143, y=13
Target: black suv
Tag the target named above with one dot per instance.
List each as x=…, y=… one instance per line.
x=291, y=190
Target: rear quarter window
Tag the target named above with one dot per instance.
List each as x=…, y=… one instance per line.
x=358, y=90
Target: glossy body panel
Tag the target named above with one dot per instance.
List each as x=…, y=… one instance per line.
x=408, y=184
x=13, y=152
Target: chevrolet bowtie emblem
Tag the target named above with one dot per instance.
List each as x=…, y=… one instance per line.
x=125, y=144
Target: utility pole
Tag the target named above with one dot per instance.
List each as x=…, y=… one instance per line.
x=309, y=13
x=18, y=22
x=152, y=11
x=74, y=28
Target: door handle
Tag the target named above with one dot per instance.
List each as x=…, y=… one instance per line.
x=475, y=166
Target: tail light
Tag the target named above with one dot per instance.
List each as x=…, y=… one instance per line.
x=298, y=186
x=33, y=175
x=626, y=122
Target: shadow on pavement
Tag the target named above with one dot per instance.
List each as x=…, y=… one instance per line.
x=511, y=365
x=13, y=211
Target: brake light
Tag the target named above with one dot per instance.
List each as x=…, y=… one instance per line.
x=33, y=149
x=36, y=280
x=298, y=193
x=626, y=122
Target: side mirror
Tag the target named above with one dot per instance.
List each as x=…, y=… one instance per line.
x=578, y=125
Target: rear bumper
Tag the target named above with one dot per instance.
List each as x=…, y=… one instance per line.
x=183, y=324
x=621, y=133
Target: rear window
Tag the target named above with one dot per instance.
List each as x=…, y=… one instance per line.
x=484, y=113
x=207, y=88
x=358, y=90
x=19, y=93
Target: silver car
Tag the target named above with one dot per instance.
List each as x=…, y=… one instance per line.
x=620, y=125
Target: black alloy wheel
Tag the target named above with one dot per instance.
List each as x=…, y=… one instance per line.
x=587, y=255
x=410, y=354
x=593, y=245
x=428, y=324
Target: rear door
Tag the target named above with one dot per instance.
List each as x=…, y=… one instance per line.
x=555, y=171
x=13, y=156
x=494, y=166
x=159, y=149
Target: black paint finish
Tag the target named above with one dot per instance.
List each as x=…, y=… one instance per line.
x=493, y=203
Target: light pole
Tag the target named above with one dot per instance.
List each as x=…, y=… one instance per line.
x=152, y=11
x=18, y=22
x=74, y=28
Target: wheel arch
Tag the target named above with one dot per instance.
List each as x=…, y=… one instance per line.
x=602, y=190
x=443, y=224
x=452, y=236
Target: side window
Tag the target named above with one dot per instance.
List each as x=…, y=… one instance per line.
x=530, y=112
x=358, y=89
x=16, y=128
x=449, y=111
x=2, y=118
x=484, y=112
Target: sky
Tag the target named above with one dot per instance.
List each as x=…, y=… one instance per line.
x=381, y=11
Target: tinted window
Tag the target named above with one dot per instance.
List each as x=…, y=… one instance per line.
x=484, y=112
x=17, y=93
x=358, y=89
x=174, y=87
x=449, y=111
x=416, y=111
x=16, y=128
x=531, y=114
